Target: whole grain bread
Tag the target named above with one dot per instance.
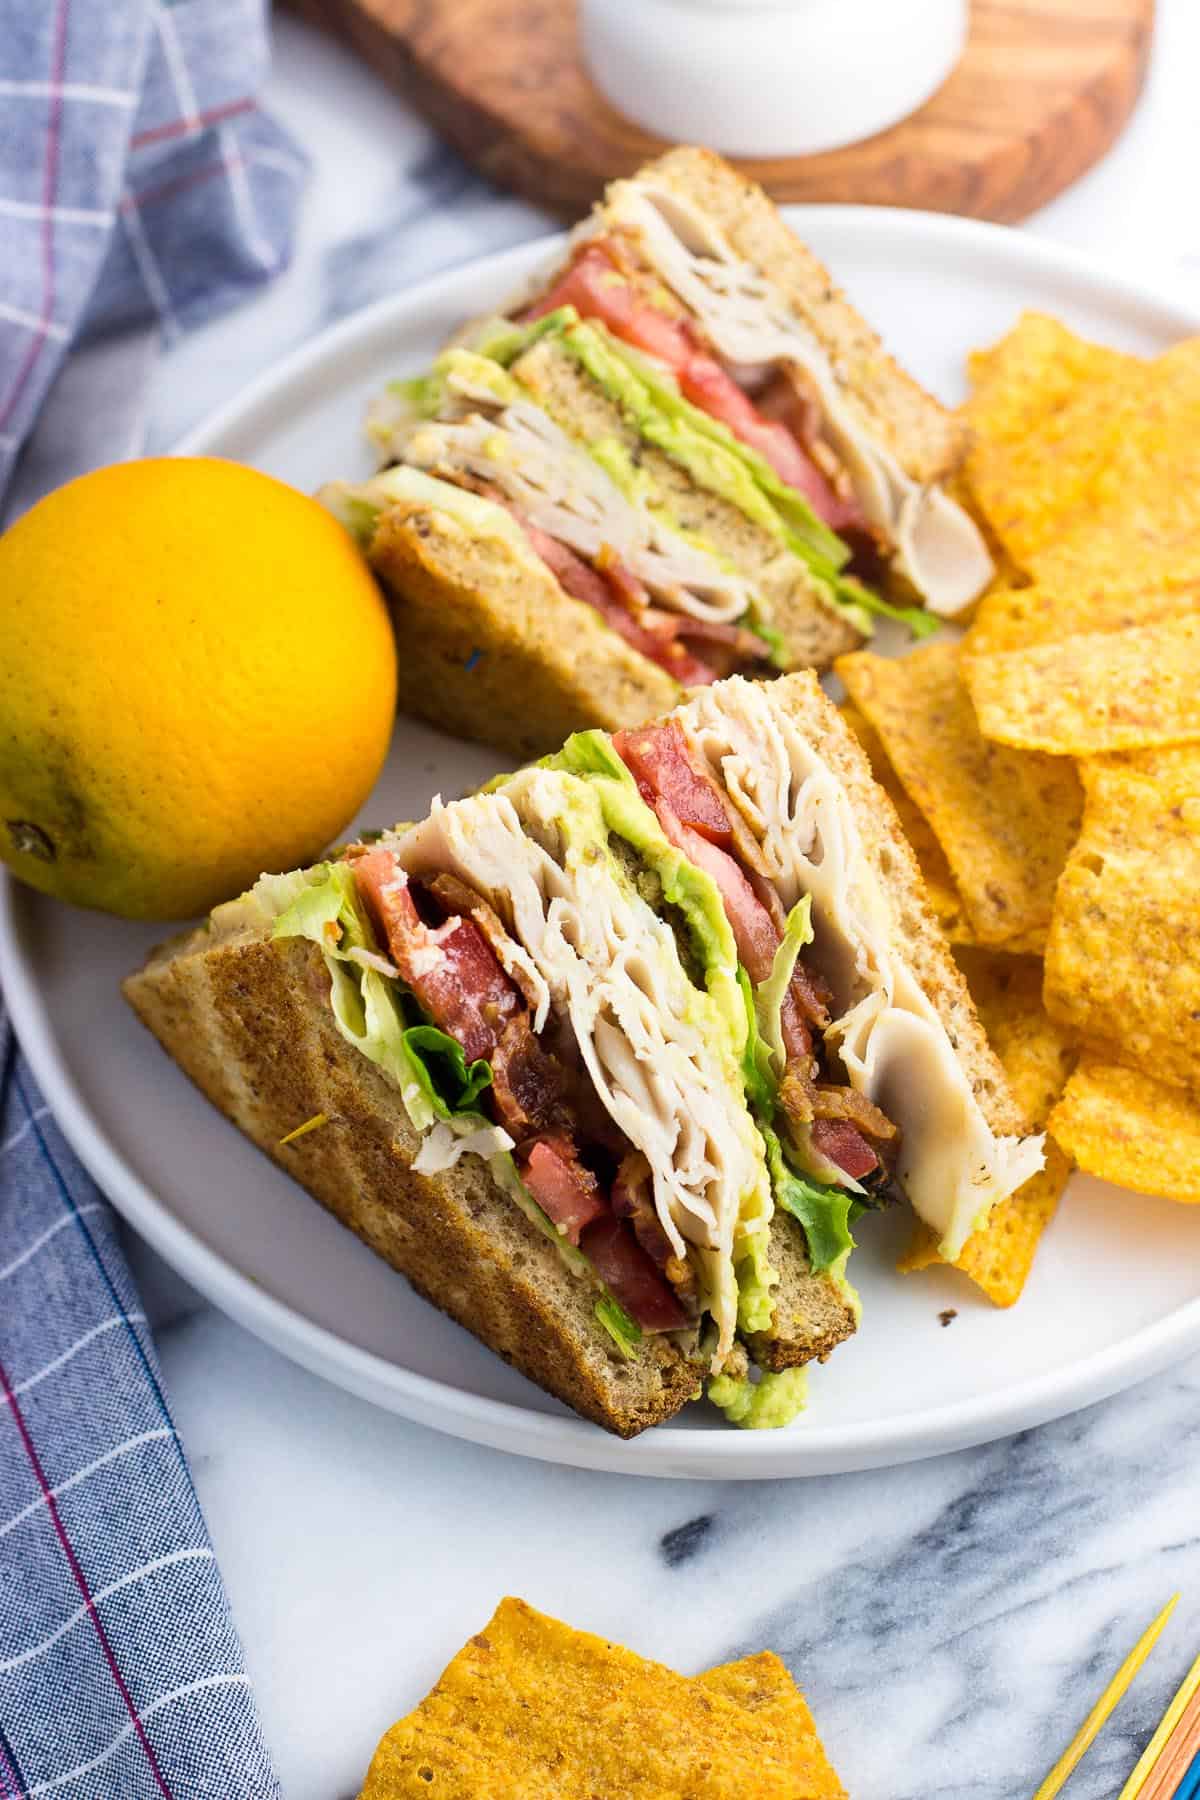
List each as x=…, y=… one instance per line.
x=248, y=1020
x=492, y=648
x=813, y=631
x=926, y=439
x=812, y=1314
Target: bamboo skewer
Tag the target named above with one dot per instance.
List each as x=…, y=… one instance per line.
x=1105, y=1705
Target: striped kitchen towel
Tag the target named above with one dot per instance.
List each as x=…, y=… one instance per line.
x=121, y=1674
x=141, y=191
x=139, y=182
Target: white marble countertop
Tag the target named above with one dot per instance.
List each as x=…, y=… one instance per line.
x=951, y=1621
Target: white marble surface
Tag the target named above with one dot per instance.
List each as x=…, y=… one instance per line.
x=951, y=1621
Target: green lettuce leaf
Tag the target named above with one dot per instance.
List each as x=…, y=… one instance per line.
x=427, y=1066
x=823, y=1211
x=443, y=1069
x=625, y=1333
x=922, y=624
x=769, y=1000
x=758, y=1072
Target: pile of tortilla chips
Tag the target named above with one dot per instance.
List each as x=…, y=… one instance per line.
x=532, y=1710
x=1047, y=768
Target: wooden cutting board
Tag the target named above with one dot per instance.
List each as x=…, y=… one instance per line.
x=1042, y=92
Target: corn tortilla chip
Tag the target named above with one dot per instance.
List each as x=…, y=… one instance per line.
x=999, y=1258
x=1037, y=1053
x=1045, y=415
x=1037, y=1056
x=1084, y=696
x=531, y=1710
x=1014, y=618
x=1138, y=527
x=762, y=1685
x=944, y=897
x=1004, y=818
x=1123, y=958
x=1129, y=1129
x=1086, y=463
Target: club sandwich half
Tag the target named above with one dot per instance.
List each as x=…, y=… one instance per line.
x=681, y=454
x=609, y=1057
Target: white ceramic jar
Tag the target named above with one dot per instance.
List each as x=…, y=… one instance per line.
x=770, y=77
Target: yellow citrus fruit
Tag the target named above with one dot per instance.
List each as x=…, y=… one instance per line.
x=197, y=683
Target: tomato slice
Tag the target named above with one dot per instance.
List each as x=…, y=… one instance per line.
x=567, y=1193
x=657, y=756
x=631, y=1276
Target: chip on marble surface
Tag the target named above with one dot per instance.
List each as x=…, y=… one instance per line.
x=531, y=1709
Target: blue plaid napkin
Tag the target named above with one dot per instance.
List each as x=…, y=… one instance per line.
x=140, y=192
x=120, y=1670
x=138, y=179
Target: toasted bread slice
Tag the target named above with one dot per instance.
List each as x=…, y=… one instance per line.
x=927, y=440
x=814, y=632
x=812, y=1314
x=492, y=648
x=248, y=1021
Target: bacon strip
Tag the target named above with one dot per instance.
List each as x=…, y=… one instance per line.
x=451, y=968
x=662, y=764
x=844, y=1145
x=654, y=633
x=458, y=980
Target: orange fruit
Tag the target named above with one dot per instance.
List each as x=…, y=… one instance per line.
x=197, y=683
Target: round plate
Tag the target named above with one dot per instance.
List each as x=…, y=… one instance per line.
x=1114, y=1295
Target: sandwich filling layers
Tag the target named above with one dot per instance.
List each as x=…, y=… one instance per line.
x=653, y=983
x=660, y=274
x=882, y=1033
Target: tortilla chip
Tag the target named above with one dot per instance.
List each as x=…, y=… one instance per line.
x=1123, y=958
x=1086, y=462
x=1045, y=416
x=998, y=1259
x=1037, y=1056
x=1037, y=1053
x=1138, y=527
x=944, y=897
x=762, y=1685
x=1131, y=1130
x=1084, y=696
x=1014, y=618
x=531, y=1710
x=1004, y=818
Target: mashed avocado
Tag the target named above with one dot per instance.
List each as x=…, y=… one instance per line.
x=764, y=1405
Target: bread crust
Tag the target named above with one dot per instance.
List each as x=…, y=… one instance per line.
x=926, y=439
x=492, y=649
x=249, y=1021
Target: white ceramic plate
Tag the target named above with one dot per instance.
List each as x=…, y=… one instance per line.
x=1115, y=1295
